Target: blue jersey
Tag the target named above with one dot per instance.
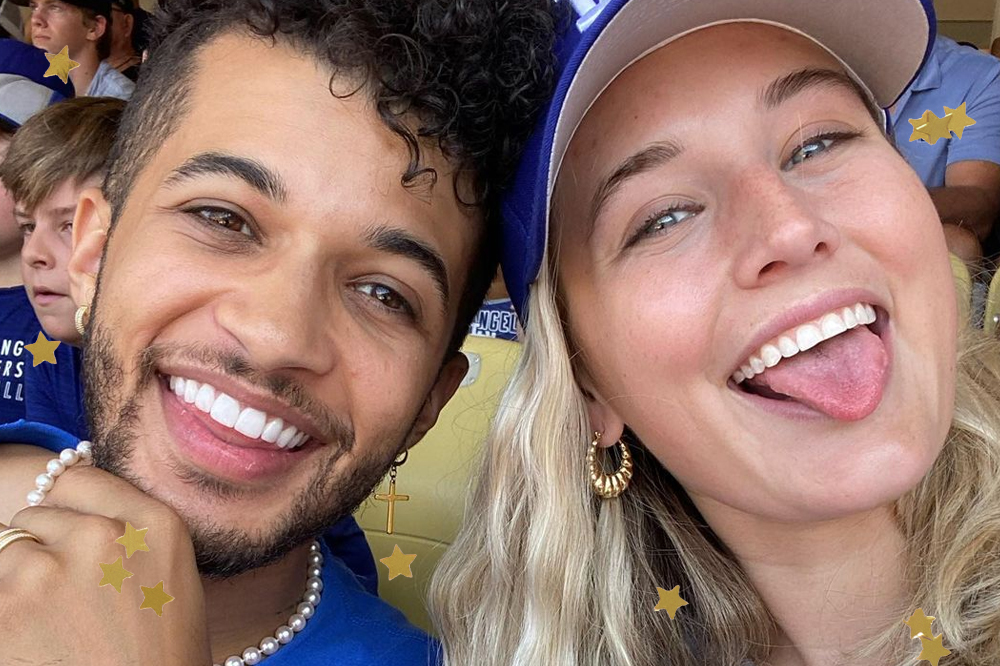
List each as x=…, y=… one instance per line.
x=351, y=627
x=18, y=327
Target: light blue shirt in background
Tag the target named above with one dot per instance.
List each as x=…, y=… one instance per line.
x=109, y=82
x=952, y=74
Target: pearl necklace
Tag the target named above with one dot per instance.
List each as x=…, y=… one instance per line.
x=268, y=645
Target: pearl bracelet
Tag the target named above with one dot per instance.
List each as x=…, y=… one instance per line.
x=67, y=458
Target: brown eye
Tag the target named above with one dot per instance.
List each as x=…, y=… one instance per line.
x=223, y=218
x=386, y=297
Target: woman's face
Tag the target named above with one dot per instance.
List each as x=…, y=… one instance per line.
x=723, y=198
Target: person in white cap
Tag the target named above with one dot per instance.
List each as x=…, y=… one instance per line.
x=742, y=397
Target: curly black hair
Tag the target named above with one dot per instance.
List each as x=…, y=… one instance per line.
x=468, y=76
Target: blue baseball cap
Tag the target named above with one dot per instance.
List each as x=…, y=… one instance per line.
x=24, y=88
x=882, y=45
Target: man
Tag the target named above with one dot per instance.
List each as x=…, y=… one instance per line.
x=24, y=90
x=962, y=174
x=300, y=223
x=124, y=56
x=85, y=27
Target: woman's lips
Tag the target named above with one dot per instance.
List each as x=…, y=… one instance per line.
x=48, y=298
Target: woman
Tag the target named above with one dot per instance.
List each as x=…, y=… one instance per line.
x=747, y=289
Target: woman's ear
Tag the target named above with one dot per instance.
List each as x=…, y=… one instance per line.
x=90, y=233
x=603, y=417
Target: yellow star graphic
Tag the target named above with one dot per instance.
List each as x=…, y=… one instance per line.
x=133, y=539
x=670, y=601
x=60, y=65
x=933, y=649
x=154, y=597
x=959, y=120
x=43, y=350
x=399, y=563
x=114, y=574
x=920, y=127
x=936, y=128
x=920, y=624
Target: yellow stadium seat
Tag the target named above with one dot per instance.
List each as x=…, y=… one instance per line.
x=963, y=289
x=992, y=320
x=436, y=478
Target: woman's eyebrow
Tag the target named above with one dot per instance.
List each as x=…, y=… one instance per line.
x=784, y=88
x=649, y=158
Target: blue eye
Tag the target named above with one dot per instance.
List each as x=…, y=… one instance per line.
x=388, y=298
x=817, y=145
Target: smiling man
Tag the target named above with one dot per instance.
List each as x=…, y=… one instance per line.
x=297, y=227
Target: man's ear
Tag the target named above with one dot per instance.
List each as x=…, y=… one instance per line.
x=98, y=28
x=90, y=233
x=447, y=383
x=603, y=417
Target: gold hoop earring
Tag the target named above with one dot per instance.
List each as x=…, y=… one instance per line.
x=609, y=486
x=81, y=319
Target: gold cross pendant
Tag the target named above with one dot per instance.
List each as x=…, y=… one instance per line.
x=391, y=498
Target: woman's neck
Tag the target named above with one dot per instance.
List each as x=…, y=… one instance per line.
x=829, y=585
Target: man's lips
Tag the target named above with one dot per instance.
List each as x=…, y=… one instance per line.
x=220, y=451
x=46, y=297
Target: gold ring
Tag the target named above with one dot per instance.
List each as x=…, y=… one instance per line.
x=12, y=534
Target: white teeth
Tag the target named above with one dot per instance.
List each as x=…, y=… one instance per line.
x=272, y=430
x=849, y=319
x=808, y=336
x=787, y=347
x=250, y=422
x=770, y=355
x=805, y=337
x=286, y=436
x=225, y=410
x=831, y=325
x=205, y=398
x=190, y=391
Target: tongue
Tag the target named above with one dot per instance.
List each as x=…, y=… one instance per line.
x=842, y=377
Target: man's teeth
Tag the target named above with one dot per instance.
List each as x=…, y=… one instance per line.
x=805, y=337
x=226, y=410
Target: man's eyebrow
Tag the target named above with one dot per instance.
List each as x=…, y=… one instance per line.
x=784, y=88
x=401, y=243
x=651, y=157
x=250, y=171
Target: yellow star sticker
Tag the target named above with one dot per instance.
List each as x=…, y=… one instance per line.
x=920, y=624
x=936, y=128
x=133, y=539
x=60, y=65
x=399, y=563
x=114, y=574
x=933, y=649
x=670, y=601
x=920, y=127
x=43, y=350
x=154, y=597
x=959, y=120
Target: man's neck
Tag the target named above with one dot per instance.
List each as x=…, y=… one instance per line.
x=10, y=270
x=84, y=74
x=243, y=610
x=829, y=586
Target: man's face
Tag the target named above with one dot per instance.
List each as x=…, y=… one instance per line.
x=270, y=276
x=56, y=24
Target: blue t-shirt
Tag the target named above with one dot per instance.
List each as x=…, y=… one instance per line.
x=953, y=74
x=53, y=394
x=18, y=327
x=351, y=627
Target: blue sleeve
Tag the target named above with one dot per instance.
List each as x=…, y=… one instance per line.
x=982, y=140
x=54, y=393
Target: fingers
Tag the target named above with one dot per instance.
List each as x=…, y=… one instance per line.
x=11, y=540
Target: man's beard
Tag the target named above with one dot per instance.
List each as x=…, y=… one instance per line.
x=220, y=551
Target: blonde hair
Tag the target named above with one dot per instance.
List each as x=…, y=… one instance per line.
x=545, y=574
